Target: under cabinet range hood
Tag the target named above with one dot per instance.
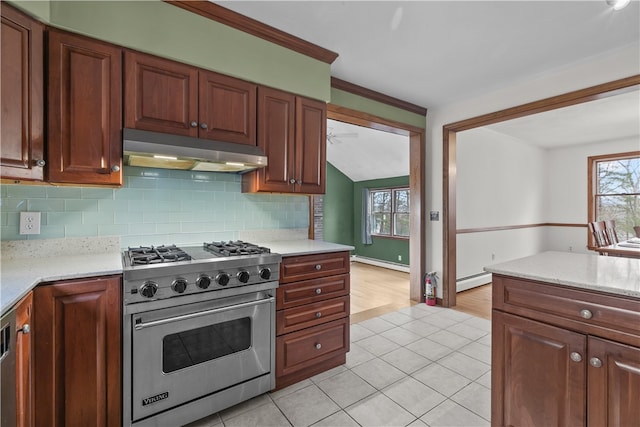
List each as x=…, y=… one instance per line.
x=160, y=150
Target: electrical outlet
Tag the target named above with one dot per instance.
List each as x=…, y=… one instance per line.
x=434, y=216
x=399, y=257
x=29, y=222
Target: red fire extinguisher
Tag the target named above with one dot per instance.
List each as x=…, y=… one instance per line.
x=430, y=289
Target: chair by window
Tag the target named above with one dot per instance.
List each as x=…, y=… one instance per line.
x=599, y=231
x=610, y=230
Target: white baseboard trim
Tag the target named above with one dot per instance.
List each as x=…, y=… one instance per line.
x=378, y=263
x=473, y=282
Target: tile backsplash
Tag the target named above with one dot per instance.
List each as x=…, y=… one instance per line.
x=154, y=206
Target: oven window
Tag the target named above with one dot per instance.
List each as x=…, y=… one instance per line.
x=194, y=346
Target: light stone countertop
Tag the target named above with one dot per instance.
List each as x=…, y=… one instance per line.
x=25, y=264
x=303, y=247
x=614, y=275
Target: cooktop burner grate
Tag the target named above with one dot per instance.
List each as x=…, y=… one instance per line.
x=235, y=248
x=157, y=254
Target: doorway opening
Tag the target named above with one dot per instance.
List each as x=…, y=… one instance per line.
x=416, y=187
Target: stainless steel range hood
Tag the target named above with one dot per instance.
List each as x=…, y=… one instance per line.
x=160, y=150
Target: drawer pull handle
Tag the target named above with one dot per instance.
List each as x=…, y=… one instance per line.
x=318, y=291
x=318, y=346
x=595, y=362
x=318, y=315
x=586, y=314
x=575, y=356
x=318, y=267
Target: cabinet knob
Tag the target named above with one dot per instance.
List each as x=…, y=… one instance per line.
x=115, y=168
x=292, y=181
x=203, y=125
x=318, y=346
x=318, y=267
x=575, y=356
x=595, y=362
x=299, y=182
x=586, y=314
x=318, y=315
x=194, y=124
x=26, y=328
x=318, y=291
x=40, y=162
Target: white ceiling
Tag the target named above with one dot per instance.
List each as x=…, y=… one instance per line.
x=432, y=53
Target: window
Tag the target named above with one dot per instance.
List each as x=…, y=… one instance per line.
x=615, y=191
x=389, y=209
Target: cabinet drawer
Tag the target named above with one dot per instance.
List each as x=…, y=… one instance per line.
x=306, y=267
x=580, y=310
x=311, y=291
x=304, y=349
x=294, y=319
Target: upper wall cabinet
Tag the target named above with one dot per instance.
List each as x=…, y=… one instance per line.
x=85, y=110
x=21, y=133
x=292, y=132
x=170, y=97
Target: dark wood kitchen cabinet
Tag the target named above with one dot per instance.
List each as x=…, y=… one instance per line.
x=292, y=132
x=77, y=352
x=312, y=315
x=24, y=363
x=563, y=356
x=85, y=110
x=171, y=97
x=21, y=85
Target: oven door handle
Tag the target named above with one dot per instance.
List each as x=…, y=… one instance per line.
x=138, y=326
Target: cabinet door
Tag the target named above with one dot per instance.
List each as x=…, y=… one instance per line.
x=227, y=109
x=311, y=133
x=276, y=126
x=77, y=352
x=21, y=85
x=160, y=95
x=85, y=110
x=614, y=384
x=538, y=375
x=24, y=366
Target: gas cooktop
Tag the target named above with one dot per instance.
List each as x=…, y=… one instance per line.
x=150, y=255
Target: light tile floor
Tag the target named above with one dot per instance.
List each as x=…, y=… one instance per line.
x=418, y=366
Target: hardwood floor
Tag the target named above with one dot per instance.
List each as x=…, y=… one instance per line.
x=376, y=291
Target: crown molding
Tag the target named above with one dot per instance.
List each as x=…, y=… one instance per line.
x=337, y=83
x=240, y=22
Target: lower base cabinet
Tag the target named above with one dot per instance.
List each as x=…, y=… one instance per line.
x=563, y=357
x=77, y=352
x=312, y=317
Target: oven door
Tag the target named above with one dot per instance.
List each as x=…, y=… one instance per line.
x=190, y=351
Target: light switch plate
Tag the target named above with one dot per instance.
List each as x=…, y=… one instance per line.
x=29, y=222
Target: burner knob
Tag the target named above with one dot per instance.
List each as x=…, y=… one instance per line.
x=243, y=276
x=265, y=273
x=222, y=279
x=179, y=285
x=203, y=282
x=149, y=289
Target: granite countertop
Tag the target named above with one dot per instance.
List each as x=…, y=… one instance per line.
x=26, y=264
x=614, y=275
x=303, y=247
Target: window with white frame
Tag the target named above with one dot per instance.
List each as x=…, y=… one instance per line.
x=615, y=191
x=389, y=208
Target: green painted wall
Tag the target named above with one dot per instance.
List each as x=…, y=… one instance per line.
x=338, y=207
x=382, y=248
x=366, y=105
x=162, y=29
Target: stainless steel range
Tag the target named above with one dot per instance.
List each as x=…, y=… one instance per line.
x=198, y=329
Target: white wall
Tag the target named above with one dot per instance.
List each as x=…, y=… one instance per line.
x=622, y=63
x=501, y=181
